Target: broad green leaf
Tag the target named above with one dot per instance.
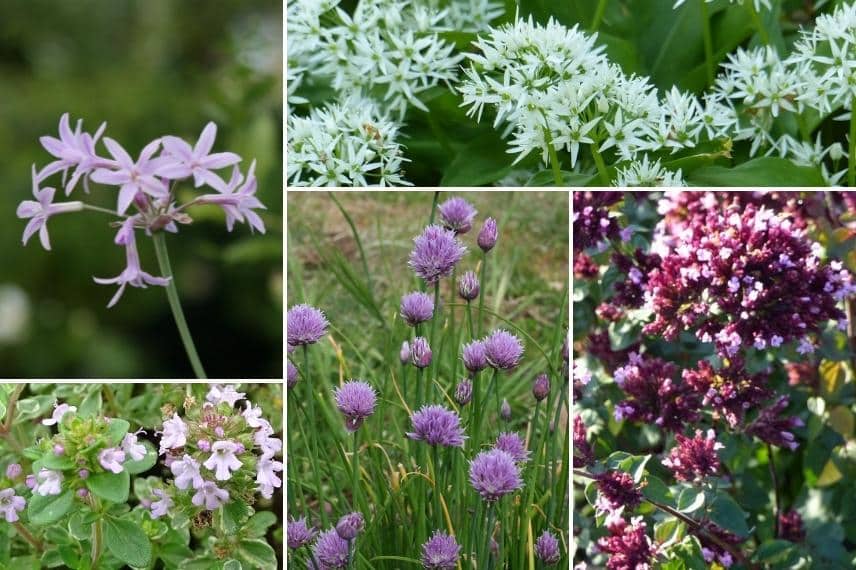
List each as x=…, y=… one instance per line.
x=199, y=563
x=690, y=499
x=774, y=551
x=548, y=179
x=766, y=171
x=134, y=467
x=174, y=554
x=657, y=491
x=116, y=430
x=57, y=462
x=841, y=420
x=833, y=375
x=482, y=161
x=111, y=487
x=623, y=333
x=233, y=515
x=34, y=407
x=45, y=510
x=830, y=474
x=258, y=553
x=669, y=531
x=725, y=512
x=91, y=405
x=232, y=565
x=258, y=524
x=635, y=466
x=126, y=541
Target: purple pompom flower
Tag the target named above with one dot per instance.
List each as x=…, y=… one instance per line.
x=404, y=353
x=464, y=392
x=292, y=376
x=474, y=356
x=420, y=352
x=299, y=534
x=356, y=400
x=331, y=550
x=440, y=552
x=457, y=215
x=437, y=425
x=513, y=445
x=487, y=235
x=468, y=286
x=350, y=525
x=547, y=548
x=306, y=325
x=541, y=387
x=435, y=253
x=416, y=308
x=503, y=350
x=494, y=474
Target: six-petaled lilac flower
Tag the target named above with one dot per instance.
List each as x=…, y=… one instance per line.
x=437, y=425
x=306, y=325
x=547, y=548
x=474, y=356
x=299, y=534
x=11, y=505
x=468, y=286
x=238, y=200
x=162, y=506
x=503, y=350
x=440, y=552
x=420, y=352
x=356, y=400
x=210, y=496
x=140, y=177
x=184, y=160
x=331, y=550
x=350, y=525
x=488, y=235
x=457, y=215
x=59, y=411
x=39, y=210
x=111, y=459
x=223, y=460
x=513, y=445
x=73, y=149
x=435, y=253
x=416, y=308
x=493, y=474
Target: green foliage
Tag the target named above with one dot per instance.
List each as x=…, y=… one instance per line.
x=126, y=541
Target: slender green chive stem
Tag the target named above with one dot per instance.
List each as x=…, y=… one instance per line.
x=851, y=160
x=708, y=42
x=488, y=532
x=533, y=475
x=482, y=284
x=554, y=159
x=470, y=317
x=759, y=25
x=438, y=523
x=175, y=305
x=28, y=536
x=419, y=373
x=491, y=387
x=316, y=471
x=355, y=481
x=433, y=342
x=299, y=497
x=601, y=165
x=351, y=543
x=598, y=15
x=475, y=412
x=434, y=207
x=312, y=559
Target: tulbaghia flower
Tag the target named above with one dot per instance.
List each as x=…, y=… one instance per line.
x=440, y=552
x=48, y=482
x=331, y=550
x=11, y=505
x=457, y=215
x=238, y=200
x=437, y=425
x=541, y=387
x=59, y=411
x=356, y=400
x=186, y=473
x=39, y=210
x=628, y=546
x=133, y=178
x=223, y=460
x=420, y=352
x=416, y=308
x=617, y=490
x=513, y=445
x=174, y=434
x=435, y=253
x=547, y=548
x=468, y=286
x=162, y=506
x=299, y=534
x=774, y=429
x=266, y=476
x=111, y=459
x=228, y=393
x=210, y=496
x=136, y=451
x=474, y=356
x=487, y=235
x=305, y=325
x=464, y=392
x=503, y=350
x=494, y=474
x=694, y=458
x=74, y=149
x=184, y=161
x=583, y=453
x=655, y=394
x=291, y=375
x=350, y=525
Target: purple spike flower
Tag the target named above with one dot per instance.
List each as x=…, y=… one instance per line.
x=416, y=308
x=770, y=425
x=291, y=377
x=541, y=387
x=331, y=550
x=468, y=286
x=299, y=534
x=494, y=474
x=513, y=445
x=350, y=525
x=694, y=458
x=487, y=235
x=435, y=253
x=547, y=548
x=437, y=425
x=440, y=552
x=420, y=352
x=464, y=392
x=356, y=400
x=306, y=325
x=474, y=356
x=503, y=350
x=457, y=215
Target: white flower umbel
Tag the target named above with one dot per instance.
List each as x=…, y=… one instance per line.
x=645, y=173
x=346, y=144
x=467, y=15
x=804, y=153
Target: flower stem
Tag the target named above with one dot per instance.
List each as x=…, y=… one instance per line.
x=97, y=541
x=554, y=159
x=437, y=486
x=175, y=305
x=102, y=210
x=482, y=285
x=708, y=41
x=433, y=342
x=10, y=407
x=851, y=157
x=485, y=550
x=28, y=536
x=759, y=25
x=316, y=472
x=601, y=165
x=470, y=317
x=355, y=481
x=598, y=16
x=772, y=465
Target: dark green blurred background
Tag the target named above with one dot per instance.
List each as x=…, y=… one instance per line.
x=149, y=68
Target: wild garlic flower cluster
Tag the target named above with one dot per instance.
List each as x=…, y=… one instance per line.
x=146, y=198
x=217, y=453
x=467, y=15
x=648, y=174
x=350, y=143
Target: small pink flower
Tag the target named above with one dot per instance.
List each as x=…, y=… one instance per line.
x=219, y=394
x=111, y=459
x=137, y=451
x=253, y=415
x=174, y=434
x=11, y=505
x=48, y=482
x=223, y=460
x=184, y=160
x=161, y=507
x=186, y=472
x=59, y=411
x=266, y=475
x=210, y=495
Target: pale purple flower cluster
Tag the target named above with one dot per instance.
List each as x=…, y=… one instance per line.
x=494, y=474
x=513, y=445
x=420, y=352
x=592, y=221
x=464, y=392
x=356, y=400
x=502, y=350
x=440, y=552
x=474, y=356
x=488, y=235
x=457, y=215
x=694, y=458
x=305, y=325
x=628, y=545
x=299, y=534
x=770, y=426
x=350, y=525
x=468, y=286
x=437, y=425
x=416, y=308
x=144, y=184
x=435, y=253
x=331, y=550
x=617, y=491
x=541, y=387
x=547, y=548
